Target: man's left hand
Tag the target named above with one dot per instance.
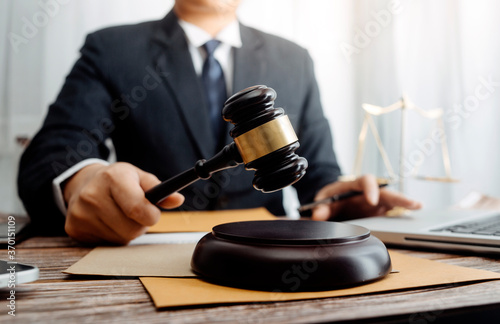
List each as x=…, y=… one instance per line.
x=373, y=201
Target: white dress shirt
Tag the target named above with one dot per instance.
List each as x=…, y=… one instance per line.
x=229, y=37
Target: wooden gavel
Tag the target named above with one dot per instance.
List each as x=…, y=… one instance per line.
x=264, y=140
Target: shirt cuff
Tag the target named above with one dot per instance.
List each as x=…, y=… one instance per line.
x=56, y=183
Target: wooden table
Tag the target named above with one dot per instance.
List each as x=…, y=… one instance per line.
x=60, y=298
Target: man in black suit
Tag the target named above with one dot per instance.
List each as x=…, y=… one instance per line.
x=140, y=87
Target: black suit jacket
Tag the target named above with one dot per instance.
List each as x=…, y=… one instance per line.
x=137, y=86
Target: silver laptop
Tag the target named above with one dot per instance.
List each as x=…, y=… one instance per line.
x=460, y=230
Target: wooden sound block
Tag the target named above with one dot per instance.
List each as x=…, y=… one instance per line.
x=290, y=255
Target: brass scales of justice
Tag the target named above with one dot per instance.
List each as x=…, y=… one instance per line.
x=404, y=105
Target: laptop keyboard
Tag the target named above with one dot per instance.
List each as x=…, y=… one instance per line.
x=486, y=226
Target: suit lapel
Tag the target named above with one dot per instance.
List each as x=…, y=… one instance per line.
x=174, y=61
x=249, y=63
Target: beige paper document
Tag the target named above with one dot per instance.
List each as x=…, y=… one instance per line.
x=162, y=260
x=203, y=221
x=413, y=273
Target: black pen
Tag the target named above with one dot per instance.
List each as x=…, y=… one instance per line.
x=334, y=198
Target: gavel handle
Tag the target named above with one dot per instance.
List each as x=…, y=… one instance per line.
x=228, y=157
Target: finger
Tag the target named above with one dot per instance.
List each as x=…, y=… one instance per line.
x=128, y=193
x=120, y=228
x=82, y=228
x=97, y=213
x=336, y=188
x=394, y=199
x=369, y=187
x=173, y=201
x=367, y=184
x=84, y=225
x=149, y=180
x=321, y=213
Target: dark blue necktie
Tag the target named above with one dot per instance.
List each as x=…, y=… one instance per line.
x=215, y=89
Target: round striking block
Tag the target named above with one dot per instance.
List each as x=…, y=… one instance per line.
x=290, y=255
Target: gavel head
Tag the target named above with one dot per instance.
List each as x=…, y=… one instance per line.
x=265, y=138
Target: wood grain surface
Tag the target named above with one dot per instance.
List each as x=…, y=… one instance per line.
x=61, y=298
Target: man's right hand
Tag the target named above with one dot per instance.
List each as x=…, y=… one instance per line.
x=107, y=203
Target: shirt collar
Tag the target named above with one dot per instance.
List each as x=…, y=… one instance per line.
x=230, y=35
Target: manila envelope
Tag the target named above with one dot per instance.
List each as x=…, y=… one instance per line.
x=412, y=273
x=203, y=221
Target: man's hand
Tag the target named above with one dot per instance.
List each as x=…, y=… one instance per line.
x=373, y=202
x=107, y=203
